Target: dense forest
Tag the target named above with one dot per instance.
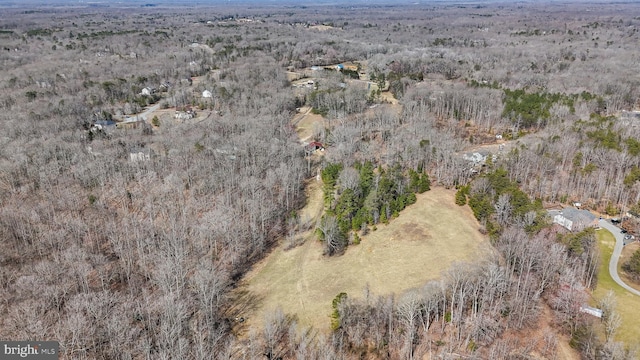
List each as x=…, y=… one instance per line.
x=122, y=235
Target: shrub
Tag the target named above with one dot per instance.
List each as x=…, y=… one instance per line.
x=31, y=95
x=356, y=239
x=335, y=315
x=461, y=196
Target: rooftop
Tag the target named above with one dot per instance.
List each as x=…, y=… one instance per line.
x=577, y=215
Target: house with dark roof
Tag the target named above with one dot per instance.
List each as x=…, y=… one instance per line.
x=575, y=219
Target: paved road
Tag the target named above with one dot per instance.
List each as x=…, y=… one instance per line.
x=617, y=250
x=143, y=116
x=147, y=113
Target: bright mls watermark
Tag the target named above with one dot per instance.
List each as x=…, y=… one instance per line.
x=37, y=350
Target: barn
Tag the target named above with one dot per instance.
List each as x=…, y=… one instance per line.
x=313, y=147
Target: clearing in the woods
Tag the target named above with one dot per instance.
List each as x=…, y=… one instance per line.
x=418, y=246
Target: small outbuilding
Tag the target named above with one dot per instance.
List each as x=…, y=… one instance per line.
x=207, y=94
x=313, y=147
x=591, y=311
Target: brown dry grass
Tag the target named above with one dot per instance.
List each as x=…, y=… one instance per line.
x=322, y=27
x=315, y=201
x=387, y=96
x=305, y=122
x=293, y=76
x=424, y=241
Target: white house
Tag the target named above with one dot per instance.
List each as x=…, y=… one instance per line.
x=185, y=115
x=146, y=91
x=476, y=158
x=139, y=156
x=207, y=94
x=574, y=219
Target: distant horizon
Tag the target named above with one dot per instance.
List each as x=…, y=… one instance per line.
x=17, y=4
x=152, y=3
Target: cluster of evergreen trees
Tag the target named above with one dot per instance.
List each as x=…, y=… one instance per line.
x=533, y=109
x=498, y=201
x=363, y=195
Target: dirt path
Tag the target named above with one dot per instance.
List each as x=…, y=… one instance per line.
x=315, y=203
x=563, y=350
x=305, y=123
x=566, y=352
x=304, y=111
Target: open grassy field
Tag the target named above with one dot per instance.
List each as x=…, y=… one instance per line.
x=305, y=122
x=418, y=246
x=387, y=96
x=628, y=304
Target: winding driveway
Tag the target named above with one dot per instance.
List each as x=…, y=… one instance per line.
x=147, y=113
x=617, y=250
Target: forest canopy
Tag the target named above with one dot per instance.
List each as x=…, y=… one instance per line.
x=152, y=154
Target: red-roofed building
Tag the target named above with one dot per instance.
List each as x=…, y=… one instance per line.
x=313, y=146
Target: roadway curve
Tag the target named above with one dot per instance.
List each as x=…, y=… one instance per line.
x=617, y=250
x=147, y=113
